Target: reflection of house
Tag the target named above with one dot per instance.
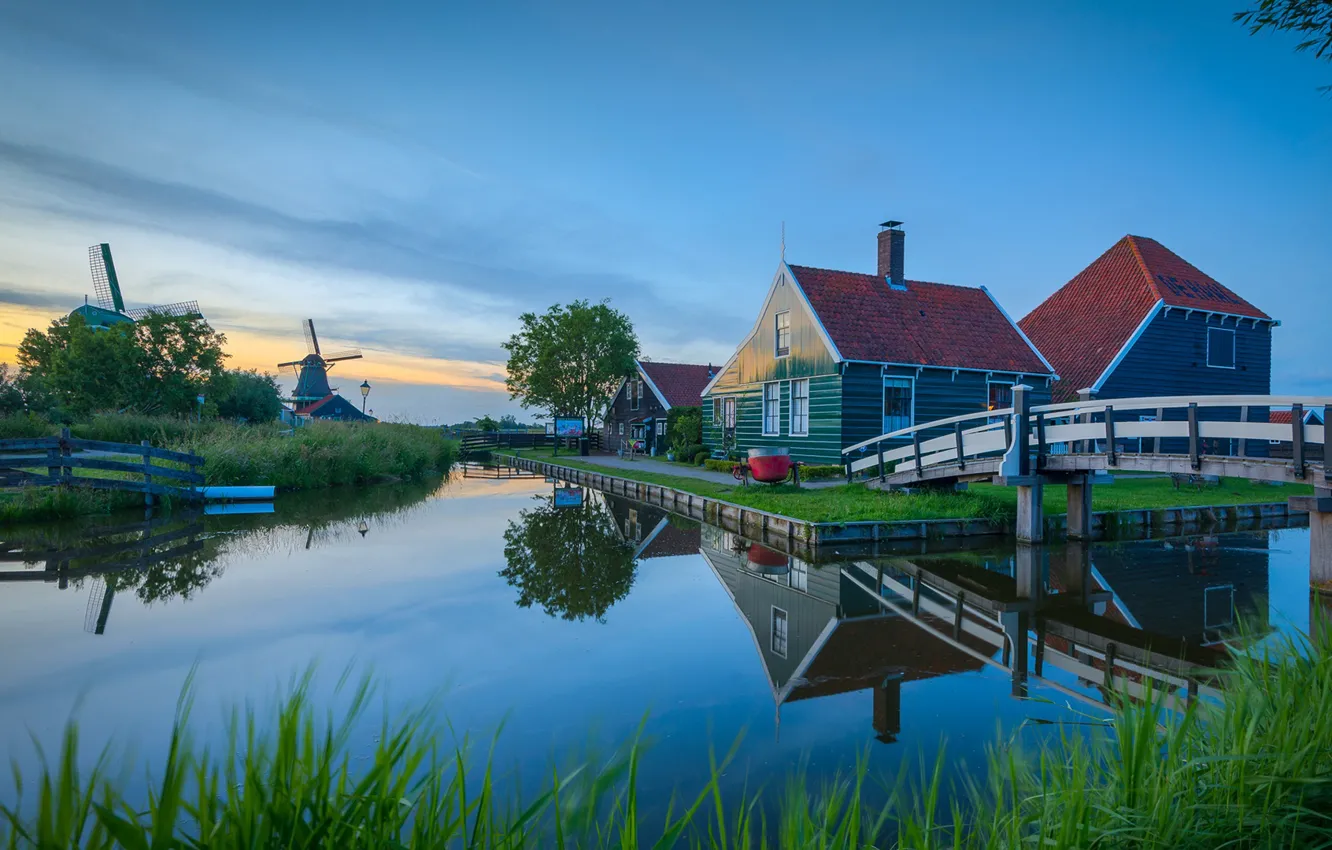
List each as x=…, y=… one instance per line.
x=818, y=635
x=654, y=532
x=836, y=357
x=639, y=408
x=1196, y=589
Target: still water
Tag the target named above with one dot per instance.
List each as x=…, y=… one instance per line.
x=568, y=616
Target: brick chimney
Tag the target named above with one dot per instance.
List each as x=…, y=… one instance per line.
x=892, y=254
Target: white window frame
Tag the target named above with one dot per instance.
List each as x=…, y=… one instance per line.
x=798, y=577
x=635, y=393
x=790, y=408
x=1234, y=349
x=661, y=427
x=777, y=334
x=883, y=399
x=776, y=417
x=729, y=412
x=621, y=424
x=772, y=631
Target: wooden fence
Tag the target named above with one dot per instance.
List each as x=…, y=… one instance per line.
x=52, y=461
x=483, y=440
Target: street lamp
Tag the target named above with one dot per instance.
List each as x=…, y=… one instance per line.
x=365, y=391
x=363, y=528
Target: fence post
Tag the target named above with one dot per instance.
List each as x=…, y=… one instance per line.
x=1082, y=446
x=53, y=462
x=1297, y=439
x=1110, y=455
x=1156, y=441
x=147, y=475
x=1327, y=461
x=1195, y=452
x=915, y=445
x=1040, y=441
x=1243, y=443
x=65, y=471
x=848, y=469
x=957, y=434
x=879, y=446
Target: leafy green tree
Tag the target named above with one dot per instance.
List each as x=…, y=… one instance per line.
x=1311, y=19
x=11, y=395
x=684, y=427
x=156, y=365
x=485, y=423
x=249, y=395
x=569, y=360
x=570, y=561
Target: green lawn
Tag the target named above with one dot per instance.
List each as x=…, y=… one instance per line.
x=853, y=502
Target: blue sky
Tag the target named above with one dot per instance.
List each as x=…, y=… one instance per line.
x=413, y=176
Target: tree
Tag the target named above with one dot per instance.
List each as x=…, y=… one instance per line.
x=1312, y=19
x=569, y=360
x=485, y=423
x=570, y=561
x=156, y=365
x=11, y=395
x=249, y=395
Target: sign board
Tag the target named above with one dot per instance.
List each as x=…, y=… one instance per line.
x=568, y=426
x=550, y=429
x=568, y=497
x=201, y=399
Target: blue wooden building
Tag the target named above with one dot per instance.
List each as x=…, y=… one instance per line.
x=835, y=358
x=1142, y=321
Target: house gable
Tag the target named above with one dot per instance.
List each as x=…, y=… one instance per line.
x=1170, y=357
x=810, y=351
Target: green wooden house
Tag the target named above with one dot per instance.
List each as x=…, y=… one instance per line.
x=835, y=358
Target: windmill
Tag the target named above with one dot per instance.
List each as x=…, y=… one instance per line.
x=107, y=287
x=313, y=394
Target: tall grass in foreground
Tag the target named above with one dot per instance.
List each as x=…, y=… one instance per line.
x=1254, y=770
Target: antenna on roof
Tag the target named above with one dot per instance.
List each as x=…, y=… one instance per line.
x=783, y=241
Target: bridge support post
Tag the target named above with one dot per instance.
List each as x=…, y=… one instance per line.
x=1016, y=625
x=1028, y=571
x=1073, y=571
x=1319, y=507
x=888, y=708
x=1030, y=516
x=1080, y=507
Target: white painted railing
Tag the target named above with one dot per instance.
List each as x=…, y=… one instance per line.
x=1080, y=427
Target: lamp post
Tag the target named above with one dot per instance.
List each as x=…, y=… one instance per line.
x=365, y=391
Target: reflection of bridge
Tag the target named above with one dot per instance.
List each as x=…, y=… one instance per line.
x=1084, y=629
x=1027, y=445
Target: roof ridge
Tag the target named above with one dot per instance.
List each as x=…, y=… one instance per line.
x=1142, y=263
x=876, y=277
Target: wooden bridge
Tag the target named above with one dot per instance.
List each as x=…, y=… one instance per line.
x=1029, y=445
x=52, y=461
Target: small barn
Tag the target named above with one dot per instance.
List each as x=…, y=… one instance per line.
x=640, y=407
x=1143, y=321
x=836, y=357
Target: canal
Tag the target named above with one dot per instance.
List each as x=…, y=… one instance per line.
x=569, y=617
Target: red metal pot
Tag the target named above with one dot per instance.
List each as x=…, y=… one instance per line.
x=769, y=465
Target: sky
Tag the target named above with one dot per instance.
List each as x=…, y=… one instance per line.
x=415, y=176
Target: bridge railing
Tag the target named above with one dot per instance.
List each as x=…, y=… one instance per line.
x=1101, y=427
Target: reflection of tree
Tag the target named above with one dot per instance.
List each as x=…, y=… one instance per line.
x=171, y=577
x=570, y=561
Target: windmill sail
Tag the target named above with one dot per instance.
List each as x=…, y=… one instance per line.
x=105, y=283
x=107, y=286
x=311, y=340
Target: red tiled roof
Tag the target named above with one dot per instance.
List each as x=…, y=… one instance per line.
x=1082, y=326
x=681, y=383
x=928, y=324
x=307, y=409
x=1280, y=417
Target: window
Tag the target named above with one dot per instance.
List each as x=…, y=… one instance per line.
x=799, y=575
x=716, y=411
x=728, y=412
x=635, y=392
x=1221, y=348
x=631, y=529
x=772, y=409
x=898, y=401
x=800, y=408
x=661, y=427
x=1001, y=396
x=621, y=429
x=779, y=631
x=783, y=334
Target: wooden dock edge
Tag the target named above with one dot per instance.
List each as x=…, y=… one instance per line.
x=796, y=535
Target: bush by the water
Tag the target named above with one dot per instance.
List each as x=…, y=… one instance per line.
x=1253, y=769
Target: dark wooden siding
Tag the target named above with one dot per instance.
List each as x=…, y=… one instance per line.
x=822, y=445
x=939, y=394
x=1170, y=358
x=620, y=411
